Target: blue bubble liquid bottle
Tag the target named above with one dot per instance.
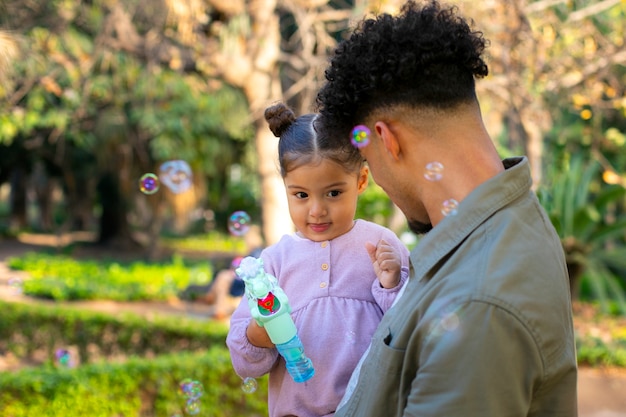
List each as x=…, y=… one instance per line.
x=298, y=364
x=270, y=308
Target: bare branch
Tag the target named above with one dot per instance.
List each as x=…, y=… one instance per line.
x=228, y=7
x=8, y=52
x=542, y=5
x=592, y=10
x=593, y=68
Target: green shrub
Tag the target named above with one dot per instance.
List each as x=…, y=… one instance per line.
x=208, y=242
x=594, y=351
x=62, y=278
x=137, y=388
x=27, y=329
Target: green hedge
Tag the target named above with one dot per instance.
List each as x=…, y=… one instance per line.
x=60, y=277
x=594, y=351
x=26, y=329
x=136, y=388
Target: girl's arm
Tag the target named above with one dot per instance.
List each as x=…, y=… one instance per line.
x=249, y=360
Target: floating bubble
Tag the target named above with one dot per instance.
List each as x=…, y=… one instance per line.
x=360, y=136
x=16, y=285
x=434, y=171
x=249, y=385
x=149, y=183
x=239, y=223
x=409, y=239
x=63, y=357
x=449, y=207
x=450, y=321
x=191, y=389
x=192, y=407
x=176, y=175
x=448, y=316
x=236, y=262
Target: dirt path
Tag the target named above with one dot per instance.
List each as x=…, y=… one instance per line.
x=601, y=392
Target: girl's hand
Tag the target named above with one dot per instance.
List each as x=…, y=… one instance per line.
x=386, y=261
x=258, y=336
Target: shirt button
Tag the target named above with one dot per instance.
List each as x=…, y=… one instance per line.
x=324, y=267
x=324, y=244
x=322, y=285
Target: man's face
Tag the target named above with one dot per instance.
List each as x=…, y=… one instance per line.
x=397, y=185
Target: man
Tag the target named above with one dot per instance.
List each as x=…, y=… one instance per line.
x=484, y=327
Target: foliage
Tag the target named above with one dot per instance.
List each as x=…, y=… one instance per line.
x=584, y=210
x=374, y=205
x=125, y=366
x=87, y=106
x=60, y=277
x=207, y=242
x=27, y=329
x=600, y=338
x=138, y=387
x=595, y=352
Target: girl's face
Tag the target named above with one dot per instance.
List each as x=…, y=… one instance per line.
x=322, y=198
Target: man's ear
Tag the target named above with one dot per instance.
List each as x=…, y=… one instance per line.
x=363, y=179
x=389, y=139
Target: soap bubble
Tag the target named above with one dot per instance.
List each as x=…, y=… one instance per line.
x=448, y=316
x=450, y=321
x=434, y=171
x=191, y=389
x=63, y=358
x=409, y=239
x=192, y=407
x=17, y=285
x=239, y=223
x=176, y=175
x=249, y=385
x=236, y=262
x=449, y=207
x=360, y=136
x=149, y=183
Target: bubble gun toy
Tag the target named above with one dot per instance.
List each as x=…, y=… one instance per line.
x=270, y=308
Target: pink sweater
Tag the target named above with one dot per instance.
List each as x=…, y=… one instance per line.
x=336, y=303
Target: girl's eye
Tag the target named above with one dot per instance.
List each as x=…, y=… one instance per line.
x=301, y=194
x=334, y=193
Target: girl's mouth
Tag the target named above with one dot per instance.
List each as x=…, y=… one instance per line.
x=319, y=227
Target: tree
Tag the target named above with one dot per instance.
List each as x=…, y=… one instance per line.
x=544, y=54
x=248, y=52
x=99, y=117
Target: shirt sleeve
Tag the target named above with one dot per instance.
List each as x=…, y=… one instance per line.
x=477, y=361
x=385, y=297
x=248, y=360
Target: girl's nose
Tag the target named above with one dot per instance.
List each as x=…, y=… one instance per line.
x=318, y=209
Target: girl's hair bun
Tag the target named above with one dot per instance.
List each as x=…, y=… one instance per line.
x=279, y=117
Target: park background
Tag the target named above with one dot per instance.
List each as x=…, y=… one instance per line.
x=94, y=94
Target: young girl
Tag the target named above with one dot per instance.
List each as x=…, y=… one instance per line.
x=339, y=274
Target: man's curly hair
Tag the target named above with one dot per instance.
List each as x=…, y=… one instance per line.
x=425, y=56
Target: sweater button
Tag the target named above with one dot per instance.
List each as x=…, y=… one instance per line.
x=324, y=244
x=324, y=267
x=322, y=285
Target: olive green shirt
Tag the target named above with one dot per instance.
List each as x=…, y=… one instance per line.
x=484, y=327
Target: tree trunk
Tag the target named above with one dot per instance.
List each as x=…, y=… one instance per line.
x=276, y=220
x=19, y=218
x=114, y=227
x=255, y=69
